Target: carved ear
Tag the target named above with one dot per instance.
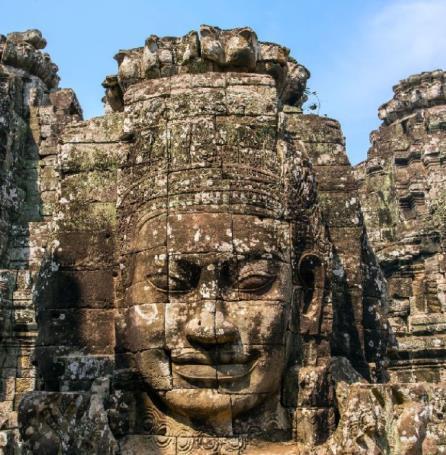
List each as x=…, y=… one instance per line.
x=311, y=272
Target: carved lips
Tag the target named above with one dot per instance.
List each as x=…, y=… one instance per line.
x=227, y=368
x=226, y=373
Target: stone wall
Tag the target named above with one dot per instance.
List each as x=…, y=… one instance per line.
x=359, y=287
x=75, y=298
x=402, y=187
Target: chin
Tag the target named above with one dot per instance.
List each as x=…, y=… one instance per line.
x=210, y=404
x=198, y=403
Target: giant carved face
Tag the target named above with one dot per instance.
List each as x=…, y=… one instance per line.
x=209, y=300
x=210, y=191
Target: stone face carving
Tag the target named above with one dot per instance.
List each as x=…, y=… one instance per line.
x=217, y=219
x=203, y=281
x=226, y=297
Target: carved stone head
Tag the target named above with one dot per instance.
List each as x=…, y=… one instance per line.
x=221, y=246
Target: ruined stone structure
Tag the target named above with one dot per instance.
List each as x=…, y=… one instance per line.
x=32, y=114
x=403, y=188
x=201, y=271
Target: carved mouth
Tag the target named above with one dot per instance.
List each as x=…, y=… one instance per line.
x=222, y=373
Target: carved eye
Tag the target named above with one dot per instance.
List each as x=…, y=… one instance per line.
x=255, y=282
x=180, y=284
x=159, y=281
x=173, y=283
x=183, y=276
x=256, y=275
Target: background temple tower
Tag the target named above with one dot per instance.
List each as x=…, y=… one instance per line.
x=403, y=195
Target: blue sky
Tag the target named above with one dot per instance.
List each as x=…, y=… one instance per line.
x=355, y=49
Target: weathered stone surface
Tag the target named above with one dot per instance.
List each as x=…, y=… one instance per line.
x=33, y=37
x=194, y=272
x=22, y=51
x=47, y=421
x=402, y=194
x=32, y=114
x=213, y=50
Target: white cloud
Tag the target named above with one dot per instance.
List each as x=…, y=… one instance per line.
x=404, y=37
x=409, y=35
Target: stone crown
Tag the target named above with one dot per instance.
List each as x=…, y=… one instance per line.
x=419, y=91
x=211, y=50
x=22, y=50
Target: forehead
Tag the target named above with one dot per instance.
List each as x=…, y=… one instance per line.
x=212, y=232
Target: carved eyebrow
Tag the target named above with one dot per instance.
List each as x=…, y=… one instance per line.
x=201, y=259
x=139, y=225
x=147, y=217
x=261, y=254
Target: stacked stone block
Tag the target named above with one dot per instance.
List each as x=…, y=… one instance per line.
x=75, y=300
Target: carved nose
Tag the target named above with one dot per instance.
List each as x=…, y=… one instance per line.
x=225, y=331
x=210, y=329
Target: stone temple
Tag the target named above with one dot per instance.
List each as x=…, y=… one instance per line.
x=201, y=271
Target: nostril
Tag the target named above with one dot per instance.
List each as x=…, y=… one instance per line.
x=201, y=331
